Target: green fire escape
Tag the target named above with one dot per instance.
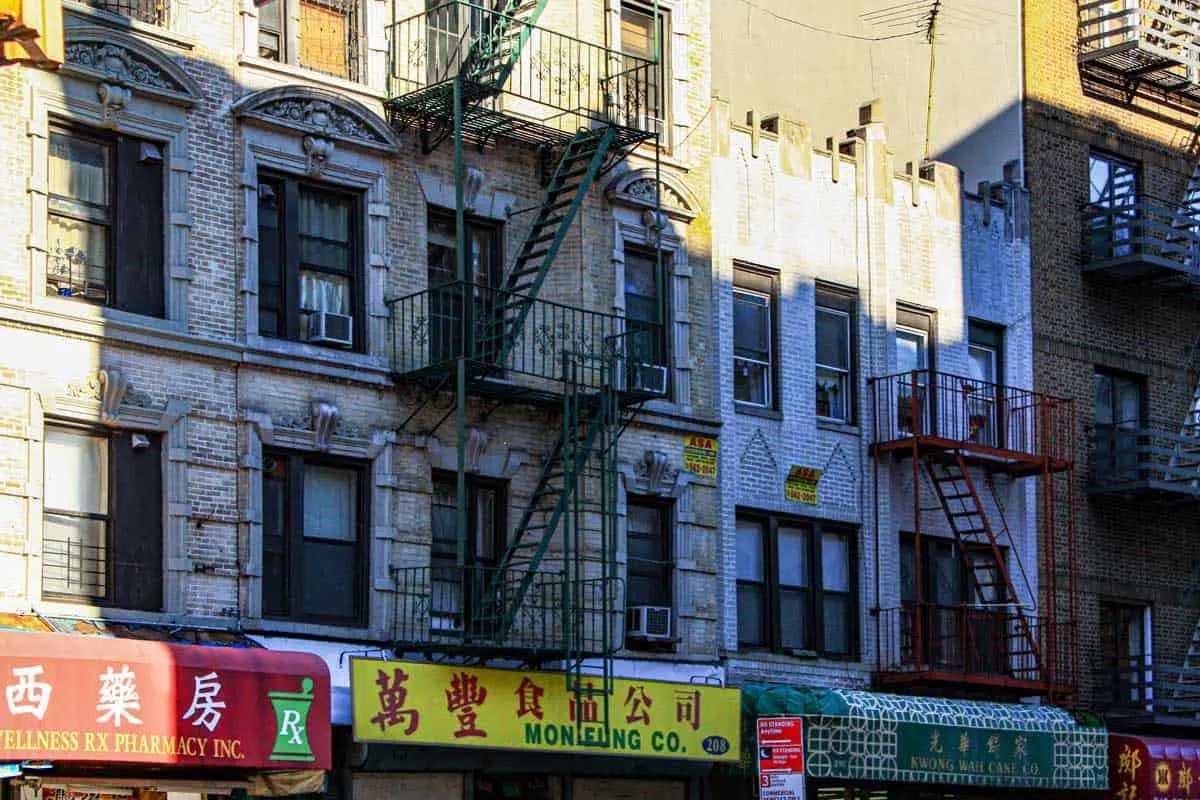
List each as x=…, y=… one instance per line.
x=479, y=75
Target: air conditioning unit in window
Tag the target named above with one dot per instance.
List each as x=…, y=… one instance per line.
x=326, y=327
x=651, y=378
x=648, y=622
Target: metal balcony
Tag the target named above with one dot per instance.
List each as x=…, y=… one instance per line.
x=461, y=609
x=520, y=81
x=1145, y=461
x=963, y=647
x=432, y=329
x=998, y=427
x=1142, y=43
x=1140, y=691
x=1152, y=241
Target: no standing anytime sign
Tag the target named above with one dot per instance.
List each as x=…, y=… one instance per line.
x=781, y=758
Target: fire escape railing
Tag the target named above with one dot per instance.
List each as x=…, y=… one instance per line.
x=1151, y=457
x=972, y=413
x=971, y=641
x=432, y=328
x=1151, y=238
x=555, y=80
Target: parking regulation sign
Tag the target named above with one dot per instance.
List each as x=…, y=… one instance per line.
x=781, y=758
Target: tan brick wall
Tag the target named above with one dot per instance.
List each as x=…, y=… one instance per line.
x=1127, y=550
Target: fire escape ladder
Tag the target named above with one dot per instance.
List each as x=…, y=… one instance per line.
x=587, y=414
x=982, y=555
x=495, y=51
x=580, y=163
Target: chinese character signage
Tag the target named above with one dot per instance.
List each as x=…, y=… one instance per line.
x=405, y=702
x=994, y=754
x=700, y=455
x=93, y=698
x=1149, y=768
x=800, y=486
x=780, y=758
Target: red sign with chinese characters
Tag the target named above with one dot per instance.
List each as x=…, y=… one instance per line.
x=92, y=698
x=1149, y=768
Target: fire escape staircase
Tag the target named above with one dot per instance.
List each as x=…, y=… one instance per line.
x=581, y=161
x=982, y=556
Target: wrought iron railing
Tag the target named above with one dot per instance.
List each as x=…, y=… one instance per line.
x=455, y=606
x=973, y=413
x=1149, y=232
x=153, y=12
x=1143, y=36
x=555, y=79
x=1130, y=457
x=433, y=328
x=1139, y=686
x=971, y=641
x=72, y=567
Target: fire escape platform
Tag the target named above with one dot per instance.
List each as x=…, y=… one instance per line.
x=1147, y=462
x=934, y=415
x=486, y=120
x=1148, y=45
x=519, y=82
x=1150, y=241
x=991, y=459
x=939, y=683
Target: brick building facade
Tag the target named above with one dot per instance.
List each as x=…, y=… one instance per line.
x=1115, y=329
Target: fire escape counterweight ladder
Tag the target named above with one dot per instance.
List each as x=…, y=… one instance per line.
x=982, y=555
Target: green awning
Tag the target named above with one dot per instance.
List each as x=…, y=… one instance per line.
x=869, y=736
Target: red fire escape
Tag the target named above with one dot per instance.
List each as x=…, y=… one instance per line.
x=962, y=626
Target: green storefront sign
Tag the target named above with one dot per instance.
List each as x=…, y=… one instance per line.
x=955, y=751
x=869, y=736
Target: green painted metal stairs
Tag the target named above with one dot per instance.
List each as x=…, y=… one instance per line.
x=981, y=553
x=494, y=54
x=587, y=416
x=578, y=167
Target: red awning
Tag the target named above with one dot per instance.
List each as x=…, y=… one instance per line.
x=96, y=699
x=1151, y=768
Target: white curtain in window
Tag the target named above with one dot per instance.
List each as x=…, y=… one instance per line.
x=324, y=216
x=329, y=503
x=78, y=170
x=321, y=291
x=76, y=472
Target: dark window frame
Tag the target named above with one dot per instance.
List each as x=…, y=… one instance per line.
x=843, y=301
x=127, y=287
x=662, y=343
x=287, y=246
x=1132, y=165
x=499, y=532
x=494, y=229
x=753, y=280
x=663, y=75
x=815, y=590
x=293, y=538
x=353, y=12
x=666, y=526
x=118, y=522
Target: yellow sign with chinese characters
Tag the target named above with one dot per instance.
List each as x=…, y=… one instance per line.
x=402, y=702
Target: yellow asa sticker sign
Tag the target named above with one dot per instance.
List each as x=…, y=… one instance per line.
x=401, y=702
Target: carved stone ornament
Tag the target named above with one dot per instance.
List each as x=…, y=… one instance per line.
x=477, y=441
x=639, y=188
x=319, y=114
x=118, y=61
x=110, y=388
x=656, y=472
x=113, y=100
x=325, y=419
x=317, y=152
